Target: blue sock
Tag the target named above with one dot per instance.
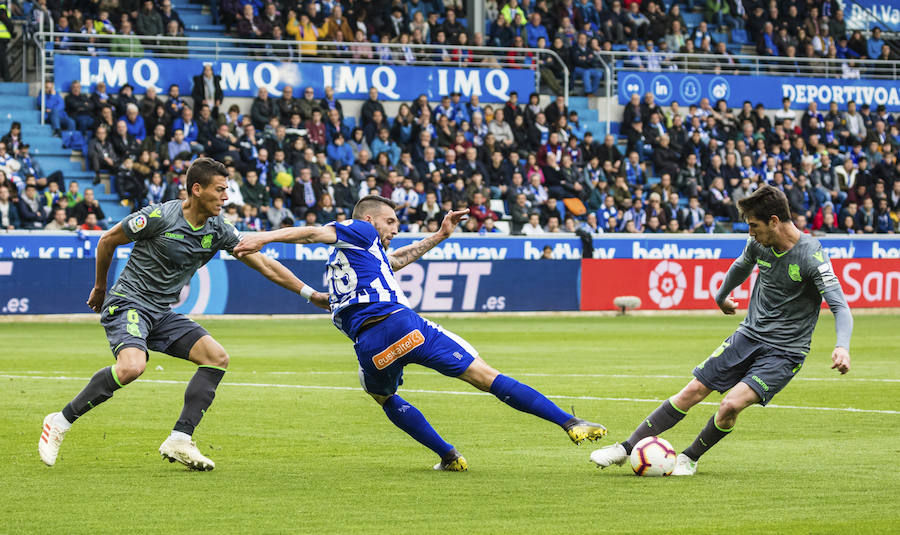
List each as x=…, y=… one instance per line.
x=410, y=419
x=526, y=399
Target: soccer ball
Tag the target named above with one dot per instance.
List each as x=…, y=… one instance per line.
x=653, y=456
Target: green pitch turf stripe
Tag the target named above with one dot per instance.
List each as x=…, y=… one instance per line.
x=456, y=393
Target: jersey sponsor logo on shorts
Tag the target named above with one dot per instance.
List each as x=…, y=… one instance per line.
x=137, y=223
x=206, y=241
x=794, y=272
x=761, y=383
x=398, y=349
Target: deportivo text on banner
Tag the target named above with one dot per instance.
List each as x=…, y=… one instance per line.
x=687, y=89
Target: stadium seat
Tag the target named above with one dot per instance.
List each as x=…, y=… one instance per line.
x=692, y=20
x=740, y=226
x=502, y=226
x=499, y=207
x=739, y=36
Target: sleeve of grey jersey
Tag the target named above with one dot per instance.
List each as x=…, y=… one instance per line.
x=738, y=272
x=829, y=286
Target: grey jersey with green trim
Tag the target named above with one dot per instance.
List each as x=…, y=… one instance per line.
x=787, y=297
x=167, y=252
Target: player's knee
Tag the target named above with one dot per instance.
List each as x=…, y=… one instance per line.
x=218, y=357
x=380, y=399
x=729, y=409
x=127, y=370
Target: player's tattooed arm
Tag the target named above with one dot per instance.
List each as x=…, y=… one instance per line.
x=405, y=256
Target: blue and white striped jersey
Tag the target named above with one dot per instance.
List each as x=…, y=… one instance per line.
x=361, y=281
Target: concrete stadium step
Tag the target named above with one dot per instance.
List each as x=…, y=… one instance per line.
x=182, y=7
x=14, y=88
x=206, y=27
x=44, y=143
x=17, y=102
x=45, y=152
x=31, y=118
x=29, y=130
x=195, y=18
x=115, y=211
x=62, y=163
x=215, y=34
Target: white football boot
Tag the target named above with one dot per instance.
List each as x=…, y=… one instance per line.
x=609, y=455
x=52, y=436
x=684, y=466
x=185, y=452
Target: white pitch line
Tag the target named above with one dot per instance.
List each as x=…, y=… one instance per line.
x=576, y=375
x=587, y=375
x=448, y=392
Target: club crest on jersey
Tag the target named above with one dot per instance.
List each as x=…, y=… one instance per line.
x=206, y=241
x=138, y=223
x=794, y=272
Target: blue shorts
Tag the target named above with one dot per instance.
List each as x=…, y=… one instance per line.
x=740, y=359
x=406, y=338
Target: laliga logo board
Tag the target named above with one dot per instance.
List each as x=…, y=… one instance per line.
x=667, y=284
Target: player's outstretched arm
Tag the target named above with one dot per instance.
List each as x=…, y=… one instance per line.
x=274, y=271
x=404, y=256
x=251, y=243
x=738, y=272
x=843, y=327
x=110, y=239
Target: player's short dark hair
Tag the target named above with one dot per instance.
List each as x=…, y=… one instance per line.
x=368, y=203
x=202, y=172
x=765, y=202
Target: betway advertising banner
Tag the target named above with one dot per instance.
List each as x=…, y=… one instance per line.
x=462, y=247
x=227, y=286
x=866, y=14
x=692, y=284
x=690, y=88
x=245, y=78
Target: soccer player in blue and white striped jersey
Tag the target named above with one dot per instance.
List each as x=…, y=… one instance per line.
x=369, y=307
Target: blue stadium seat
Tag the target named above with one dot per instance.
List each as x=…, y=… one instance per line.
x=350, y=122
x=740, y=37
x=692, y=20
x=740, y=226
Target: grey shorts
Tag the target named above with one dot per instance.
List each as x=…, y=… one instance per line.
x=741, y=359
x=127, y=324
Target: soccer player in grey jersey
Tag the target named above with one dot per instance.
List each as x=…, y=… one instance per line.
x=770, y=345
x=172, y=240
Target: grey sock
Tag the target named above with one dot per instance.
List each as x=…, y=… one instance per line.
x=664, y=417
x=99, y=389
x=707, y=438
x=198, y=396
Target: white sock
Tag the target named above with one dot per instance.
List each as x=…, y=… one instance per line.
x=60, y=421
x=178, y=435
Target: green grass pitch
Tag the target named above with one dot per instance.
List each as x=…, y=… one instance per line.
x=299, y=448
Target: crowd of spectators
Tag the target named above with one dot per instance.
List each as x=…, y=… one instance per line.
x=294, y=160
x=580, y=32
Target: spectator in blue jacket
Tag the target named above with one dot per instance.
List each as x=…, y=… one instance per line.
x=135, y=122
x=338, y=153
x=873, y=45
x=55, y=110
x=534, y=31
x=383, y=143
x=189, y=128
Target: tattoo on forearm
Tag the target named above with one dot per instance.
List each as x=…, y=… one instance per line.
x=404, y=256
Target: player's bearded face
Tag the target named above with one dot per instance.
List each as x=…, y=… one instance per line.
x=386, y=223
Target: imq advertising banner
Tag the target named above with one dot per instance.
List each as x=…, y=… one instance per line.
x=245, y=78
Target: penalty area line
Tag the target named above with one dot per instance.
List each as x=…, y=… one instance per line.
x=445, y=392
